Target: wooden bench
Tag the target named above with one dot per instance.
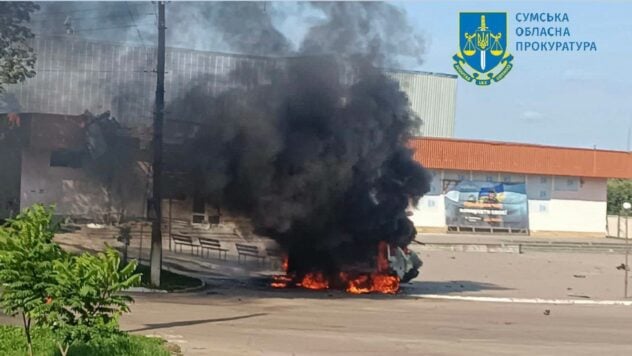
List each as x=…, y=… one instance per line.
x=212, y=244
x=183, y=240
x=248, y=251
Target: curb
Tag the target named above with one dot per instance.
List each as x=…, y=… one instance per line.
x=490, y=248
x=201, y=287
x=163, y=291
x=627, y=303
x=145, y=290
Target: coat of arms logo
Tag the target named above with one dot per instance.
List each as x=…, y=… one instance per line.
x=482, y=55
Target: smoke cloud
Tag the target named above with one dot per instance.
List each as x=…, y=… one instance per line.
x=314, y=153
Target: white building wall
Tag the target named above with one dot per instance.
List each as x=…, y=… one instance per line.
x=555, y=204
x=576, y=207
x=72, y=191
x=430, y=212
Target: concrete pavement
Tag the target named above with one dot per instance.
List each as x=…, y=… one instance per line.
x=240, y=315
x=518, y=243
x=290, y=322
x=506, y=238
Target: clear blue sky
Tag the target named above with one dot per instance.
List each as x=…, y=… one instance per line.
x=575, y=99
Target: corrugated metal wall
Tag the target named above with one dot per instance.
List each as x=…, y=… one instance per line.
x=75, y=75
x=433, y=99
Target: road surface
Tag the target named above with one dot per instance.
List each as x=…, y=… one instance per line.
x=252, y=321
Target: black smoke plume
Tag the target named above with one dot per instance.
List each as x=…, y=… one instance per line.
x=314, y=152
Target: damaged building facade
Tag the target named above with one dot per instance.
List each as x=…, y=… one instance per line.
x=75, y=75
x=58, y=159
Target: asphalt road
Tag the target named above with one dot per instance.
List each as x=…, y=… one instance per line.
x=252, y=321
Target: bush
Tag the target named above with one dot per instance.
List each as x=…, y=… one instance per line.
x=78, y=298
x=12, y=343
x=27, y=257
x=86, y=300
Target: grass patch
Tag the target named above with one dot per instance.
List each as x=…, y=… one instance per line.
x=13, y=343
x=168, y=280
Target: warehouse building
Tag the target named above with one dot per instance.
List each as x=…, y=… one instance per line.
x=498, y=187
x=74, y=75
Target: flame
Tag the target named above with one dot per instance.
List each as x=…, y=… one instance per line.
x=385, y=283
x=359, y=285
x=380, y=281
x=374, y=282
x=281, y=281
x=314, y=281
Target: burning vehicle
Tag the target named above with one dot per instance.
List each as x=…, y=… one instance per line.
x=393, y=265
x=405, y=264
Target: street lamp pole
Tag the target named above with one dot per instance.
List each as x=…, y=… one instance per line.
x=626, y=208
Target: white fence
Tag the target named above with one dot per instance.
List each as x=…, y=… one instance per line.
x=616, y=226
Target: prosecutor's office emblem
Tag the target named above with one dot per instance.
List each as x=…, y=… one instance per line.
x=482, y=55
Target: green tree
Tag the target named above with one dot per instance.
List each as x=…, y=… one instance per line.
x=86, y=302
x=619, y=191
x=27, y=258
x=17, y=59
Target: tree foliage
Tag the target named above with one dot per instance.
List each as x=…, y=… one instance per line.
x=17, y=59
x=27, y=259
x=77, y=297
x=86, y=301
x=619, y=191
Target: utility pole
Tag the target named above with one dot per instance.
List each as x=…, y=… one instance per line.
x=156, y=233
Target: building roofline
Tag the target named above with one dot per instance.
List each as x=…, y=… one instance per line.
x=520, y=158
x=433, y=74
x=520, y=144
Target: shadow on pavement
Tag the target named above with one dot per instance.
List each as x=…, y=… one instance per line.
x=194, y=322
x=448, y=287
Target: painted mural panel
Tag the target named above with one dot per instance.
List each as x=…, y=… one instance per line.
x=487, y=204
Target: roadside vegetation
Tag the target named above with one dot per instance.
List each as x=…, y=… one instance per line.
x=66, y=304
x=17, y=58
x=169, y=281
x=13, y=343
x=619, y=191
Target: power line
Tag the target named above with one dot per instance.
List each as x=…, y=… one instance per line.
x=80, y=18
x=92, y=71
x=65, y=12
x=131, y=16
x=80, y=30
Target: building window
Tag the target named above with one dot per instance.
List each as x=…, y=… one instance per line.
x=461, y=177
x=431, y=203
x=489, y=178
x=199, y=210
x=543, y=208
x=569, y=184
x=543, y=180
x=507, y=179
x=543, y=194
x=66, y=158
